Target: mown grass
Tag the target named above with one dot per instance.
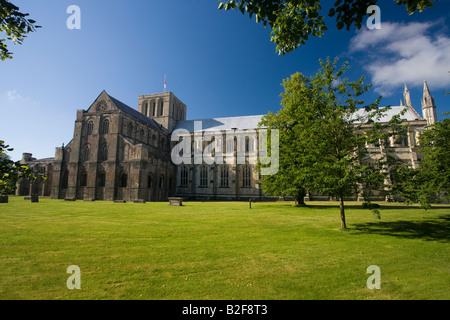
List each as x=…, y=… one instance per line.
x=221, y=250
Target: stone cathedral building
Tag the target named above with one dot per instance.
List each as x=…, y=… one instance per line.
x=120, y=153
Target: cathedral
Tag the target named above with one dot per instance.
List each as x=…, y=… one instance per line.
x=122, y=154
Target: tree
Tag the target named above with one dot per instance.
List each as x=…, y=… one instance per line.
x=293, y=21
x=323, y=140
x=11, y=171
x=289, y=180
x=424, y=184
x=15, y=25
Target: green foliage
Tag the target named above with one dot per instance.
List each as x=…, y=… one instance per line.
x=289, y=181
x=15, y=25
x=293, y=21
x=424, y=184
x=10, y=171
x=435, y=146
x=322, y=140
x=415, y=5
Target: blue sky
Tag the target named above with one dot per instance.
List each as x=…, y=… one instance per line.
x=218, y=63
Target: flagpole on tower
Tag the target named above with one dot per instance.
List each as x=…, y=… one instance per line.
x=165, y=83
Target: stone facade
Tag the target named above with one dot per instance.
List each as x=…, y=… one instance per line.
x=41, y=187
x=225, y=178
x=116, y=154
x=120, y=153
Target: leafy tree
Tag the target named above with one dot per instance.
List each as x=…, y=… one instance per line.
x=293, y=21
x=15, y=25
x=10, y=184
x=11, y=171
x=424, y=184
x=289, y=181
x=323, y=138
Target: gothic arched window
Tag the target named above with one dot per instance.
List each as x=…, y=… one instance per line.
x=161, y=108
x=145, y=109
x=90, y=127
x=230, y=142
x=184, y=176
x=246, y=176
x=153, y=110
x=149, y=181
x=83, y=179
x=224, y=176
x=86, y=153
x=203, y=176
x=249, y=144
x=104, y=127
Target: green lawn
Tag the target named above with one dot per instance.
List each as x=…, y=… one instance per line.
x=221, y=250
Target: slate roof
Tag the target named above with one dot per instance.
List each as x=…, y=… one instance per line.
x=217, y=124
x=410, y=114
x=136, y=114
x=251, y=122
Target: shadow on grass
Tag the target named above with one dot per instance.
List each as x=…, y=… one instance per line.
x=382, y=206
x=325, y=204
x=437, y=229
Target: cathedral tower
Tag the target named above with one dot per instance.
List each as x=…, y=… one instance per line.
x=428, y=106
x=165, y=108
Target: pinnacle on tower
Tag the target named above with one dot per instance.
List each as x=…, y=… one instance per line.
x=428, y=106
x=407, y=97
x=427, y=98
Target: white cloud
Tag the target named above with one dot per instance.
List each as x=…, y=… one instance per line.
x=13, y=95
x=401, y=53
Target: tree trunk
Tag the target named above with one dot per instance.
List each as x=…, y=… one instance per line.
x=300, y=199
x=341, y=206
x=299, y=202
